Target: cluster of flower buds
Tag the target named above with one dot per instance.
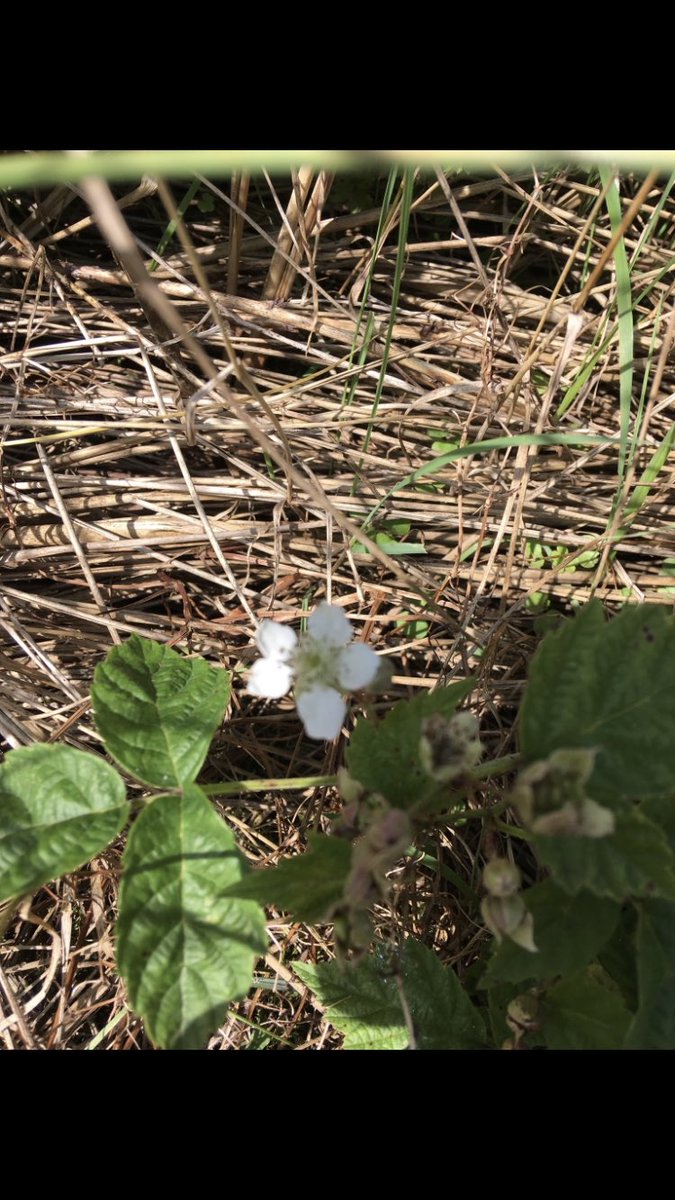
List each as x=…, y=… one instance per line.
x=450, y=748
x=384, y=835
x=503, y=909
x=551, y=798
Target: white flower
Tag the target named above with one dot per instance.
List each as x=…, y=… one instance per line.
x=321, y=662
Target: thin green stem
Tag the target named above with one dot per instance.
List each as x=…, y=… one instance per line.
x=268, y=785
x=51, y=167
x=498, y=766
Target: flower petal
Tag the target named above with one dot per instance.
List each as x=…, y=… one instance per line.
x=329, y=625
x=276, y=641
x=269, y=678
x=357, y=666
x=322, y=711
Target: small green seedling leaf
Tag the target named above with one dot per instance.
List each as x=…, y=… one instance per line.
x=584, y=1012
x=585, y=561
x=568, y=933
x=537, y=554
x=309, y=886
x=364, y=1002
x=537, y=602
x=58, y=808
x=385, y=536
x=412, y=628
x=431, y=488
x=470, y=550
x=667, y=568
x=397, y=528
x=392, y=548
x=385, y=757
x=184, y=948
x=609, y=685
x=158, y=711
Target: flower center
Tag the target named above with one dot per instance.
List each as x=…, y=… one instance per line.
x=316, y=665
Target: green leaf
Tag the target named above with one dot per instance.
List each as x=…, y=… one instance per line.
x=568, y=933
x=432, y=488
x=536, y=554
x=608, y=684
x=397, y=528
x=557, y=554
x=58, y=808
x=412, y=628
x=309, y=885
x=538, y=602
x=157, y=711
x=546, y=622
x=184, y=948
x=585, y=561
x=393, y=548
x=470, y=549
x=584, y=1012
x=634, y=860
x=661, y=810
x=364, y=1002
x=653, y=1027
x=385, y=757
x=618, y=957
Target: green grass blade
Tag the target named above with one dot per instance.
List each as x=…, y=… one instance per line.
x=650, y=359
x=650, y=227
x=170, y=231
x=385, y=209
x=649, y=475
x=625, y=313
x=499, y=443
x=404, y=221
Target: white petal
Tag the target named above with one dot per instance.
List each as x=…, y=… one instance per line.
x=269, y=678
x=357, y=667
x=276, y=641
x=329, y=625
x=322, y=711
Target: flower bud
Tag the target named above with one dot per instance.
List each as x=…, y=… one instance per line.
x=522, y=1013
x=551, y=799
x=596, y=821
x=501, y=877
x=523, y=936
x=449, y=749
x=503, y=914
x=507, y=916
x=349, y=788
